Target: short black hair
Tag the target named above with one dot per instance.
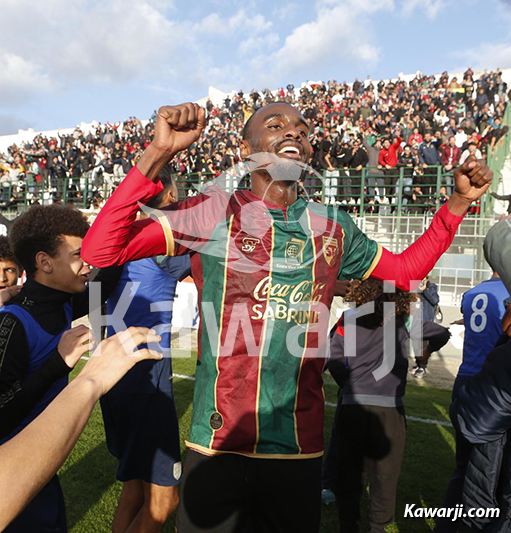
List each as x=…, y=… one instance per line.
x=246, y=132
x=167, y=180
x=6, y=253
x=41, y=228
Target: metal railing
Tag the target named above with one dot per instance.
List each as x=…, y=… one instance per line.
x=410, y=227
x=387, y=192
x=16, y=196
x=368, y=192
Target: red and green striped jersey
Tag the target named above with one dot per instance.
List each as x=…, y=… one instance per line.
x=264, y=302
x=266, y=279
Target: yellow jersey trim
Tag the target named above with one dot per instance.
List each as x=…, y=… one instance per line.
x=208, y=451
x=263, y=340
x=167, y=231
x=375, y=262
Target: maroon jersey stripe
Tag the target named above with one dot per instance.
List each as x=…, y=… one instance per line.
x=238, y=375
x=309, y=404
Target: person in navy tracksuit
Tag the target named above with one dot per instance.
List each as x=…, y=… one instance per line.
x=140, y=418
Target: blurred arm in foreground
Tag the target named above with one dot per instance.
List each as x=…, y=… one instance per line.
x=31, y=458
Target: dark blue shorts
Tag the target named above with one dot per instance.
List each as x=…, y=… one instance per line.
x=142, y=432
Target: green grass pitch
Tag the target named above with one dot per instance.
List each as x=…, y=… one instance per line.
x=91, y=491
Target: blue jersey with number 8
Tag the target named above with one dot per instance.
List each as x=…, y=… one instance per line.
x=483, y=309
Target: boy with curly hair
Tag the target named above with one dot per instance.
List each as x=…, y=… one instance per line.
x=38, y=347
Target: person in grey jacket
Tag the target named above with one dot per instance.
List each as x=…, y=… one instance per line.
x=371, y=421
x=429, y=157
x=374, y=172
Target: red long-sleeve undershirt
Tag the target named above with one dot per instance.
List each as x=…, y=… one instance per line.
x=417, y=261
x=115, y=238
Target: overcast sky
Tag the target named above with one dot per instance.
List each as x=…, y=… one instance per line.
x=67, y=61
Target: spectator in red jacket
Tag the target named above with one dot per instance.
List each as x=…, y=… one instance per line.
x=388, y=160
x=450, y=159
x=415, y=135
x=389, y=152
x=450, y=155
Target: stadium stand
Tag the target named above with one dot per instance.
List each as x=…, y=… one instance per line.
x=384, y=151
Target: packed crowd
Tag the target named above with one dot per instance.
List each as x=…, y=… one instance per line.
x=417, y=125
x=256, y=436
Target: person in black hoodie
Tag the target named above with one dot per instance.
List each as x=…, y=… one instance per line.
x=58, y=176
x=371, y=419
x=407, y=160
x=338, y=159
x=38, y=347
x=358, y=159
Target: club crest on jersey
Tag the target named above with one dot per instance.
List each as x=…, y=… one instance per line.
x=216, y=421
x=294, y=252
x=249, y=244
x=330, y=249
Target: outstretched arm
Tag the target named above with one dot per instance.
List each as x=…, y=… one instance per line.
x=472, y=180
x=115, y=237
x=505, y=197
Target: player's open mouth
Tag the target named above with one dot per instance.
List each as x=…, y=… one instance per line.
x=290, y=151
x=85, y=277
x=3, y=287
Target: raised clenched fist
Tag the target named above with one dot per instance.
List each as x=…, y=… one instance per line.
x=472, y=179
x=177, y=127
